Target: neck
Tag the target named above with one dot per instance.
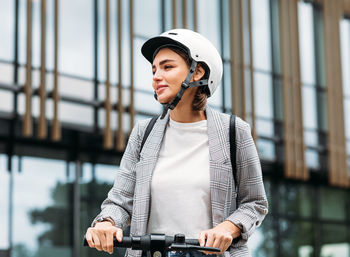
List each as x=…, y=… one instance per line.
x=184, y=113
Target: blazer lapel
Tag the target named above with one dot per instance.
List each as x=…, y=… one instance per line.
x=145, y=167
x=220, y=164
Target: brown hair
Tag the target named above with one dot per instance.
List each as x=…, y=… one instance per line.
x=200, y=98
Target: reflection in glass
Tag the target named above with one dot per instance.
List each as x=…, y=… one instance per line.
x=333, y=203
x=95, y=184
x=297, y=238
x=261, y=34
x=296, y=199
x=42, y=217
x=263, y=243
x=4, y=203
x=334, y=241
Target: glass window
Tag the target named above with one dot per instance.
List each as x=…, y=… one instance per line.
x=333, y=203
x=75, y=38
x=263, y=243
x=209, y=21
x=6, y=103
x=147, y=18
x=310, y=107
x=345, y=54
x=6, y=73
x=4, y=202
x=42, y=214
x=306, y=42
x=261, y=34
x=334, y=241
x=296, y=199
x=95, y=183
x=266, y=149
x=142, y=68
x=263, y=95
x=297, y=238
x=7, y=30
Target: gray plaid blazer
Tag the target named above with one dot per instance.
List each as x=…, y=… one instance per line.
x=128, y=202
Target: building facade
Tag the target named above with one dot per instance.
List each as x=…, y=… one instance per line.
x=73, y=83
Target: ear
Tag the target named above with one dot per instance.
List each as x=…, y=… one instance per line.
x=199, y=73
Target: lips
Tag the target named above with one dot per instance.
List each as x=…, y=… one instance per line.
x=160, y=88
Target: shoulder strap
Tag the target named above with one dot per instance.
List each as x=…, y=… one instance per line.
x=148, y=130
x=233, y=145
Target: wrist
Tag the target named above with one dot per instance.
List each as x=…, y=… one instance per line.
x=234, y=230
x=104, y=220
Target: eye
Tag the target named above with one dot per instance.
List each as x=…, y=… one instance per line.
x=166, y=67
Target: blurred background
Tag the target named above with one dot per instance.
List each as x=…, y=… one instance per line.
x=73, y=83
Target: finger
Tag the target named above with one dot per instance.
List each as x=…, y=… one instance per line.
x=209, y=242
x=119, y=235
x=201, y=238
x=109, y=241
x=103, y=240
x=88, y=238
x=97, y=242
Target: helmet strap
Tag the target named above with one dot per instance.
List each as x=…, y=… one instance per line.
x=184, y=85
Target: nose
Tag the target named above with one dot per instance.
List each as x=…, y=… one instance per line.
x=157, y=76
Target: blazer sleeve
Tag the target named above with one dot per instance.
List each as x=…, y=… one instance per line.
x=252, y=205
x=119, y=202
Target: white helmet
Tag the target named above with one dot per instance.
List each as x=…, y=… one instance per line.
x=199, y=48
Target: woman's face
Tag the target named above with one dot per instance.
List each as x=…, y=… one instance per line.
x=169, y=71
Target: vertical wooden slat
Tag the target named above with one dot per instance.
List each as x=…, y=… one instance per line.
x=174, y=14
x=120, y=138
x=42, y=129
x=233, y=52
x=338, y=175
x=184, y=13
x=27, y=128
x=346, y=6
x=131, y=24
x=108, y=141
x=56, y=130
x=294, y=146
x=195, y=22
x=286, y=78
x=299, y=146
x=242, y=103
x=251, y=69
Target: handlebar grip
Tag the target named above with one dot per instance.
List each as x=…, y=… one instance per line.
x=192, y=241
x=125, y=243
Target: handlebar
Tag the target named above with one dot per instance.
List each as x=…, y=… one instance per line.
x=160, y=242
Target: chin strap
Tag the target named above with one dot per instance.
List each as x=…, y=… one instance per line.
x=184, y=85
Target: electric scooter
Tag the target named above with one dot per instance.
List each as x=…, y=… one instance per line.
x=157, y=245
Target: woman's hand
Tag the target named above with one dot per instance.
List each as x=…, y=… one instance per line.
x=220, y=237
x=101, y=236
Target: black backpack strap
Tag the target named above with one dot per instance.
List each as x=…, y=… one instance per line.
x=233, y=146
x=148, y=130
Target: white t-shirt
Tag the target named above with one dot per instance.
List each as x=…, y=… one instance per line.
x=180, y=190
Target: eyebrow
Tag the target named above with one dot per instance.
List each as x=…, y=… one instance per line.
x=162, y=62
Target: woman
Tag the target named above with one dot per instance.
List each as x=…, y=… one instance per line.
x=182, y=180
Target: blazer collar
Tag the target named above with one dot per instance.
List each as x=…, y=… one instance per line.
x=217, y=137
